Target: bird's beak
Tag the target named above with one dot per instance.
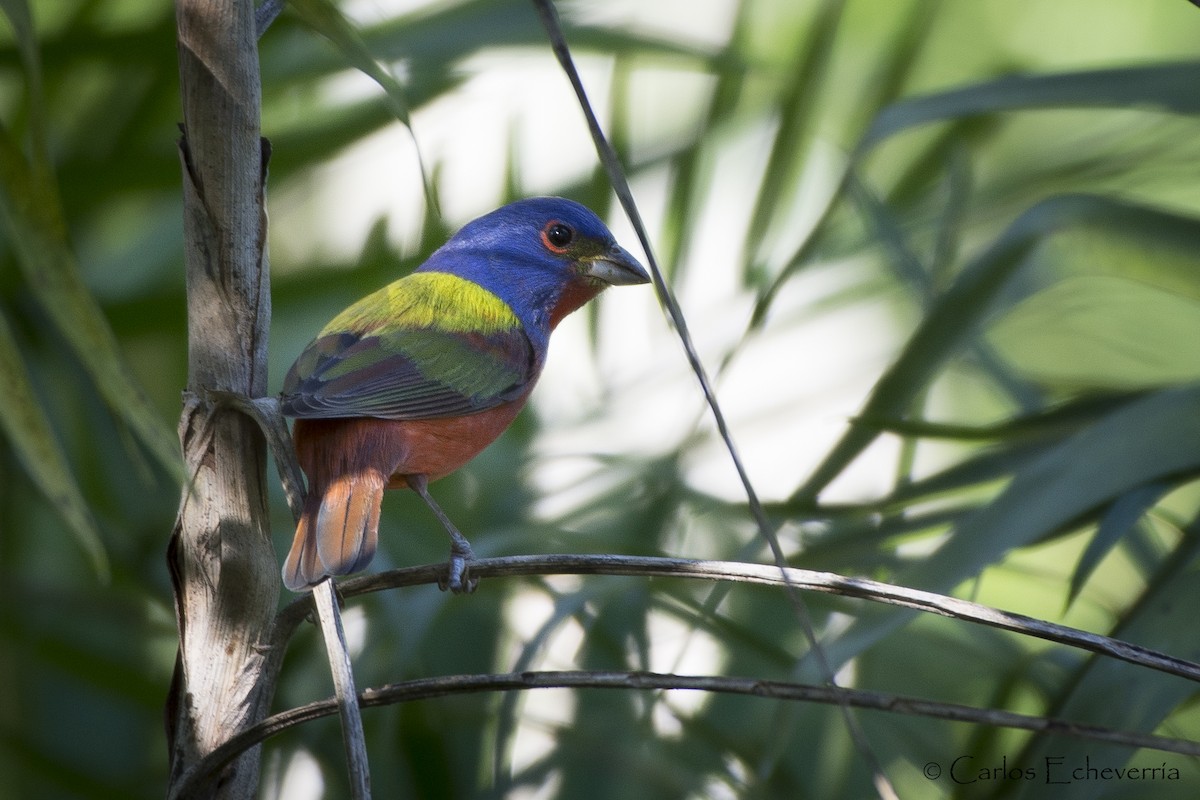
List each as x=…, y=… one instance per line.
x=616, y=267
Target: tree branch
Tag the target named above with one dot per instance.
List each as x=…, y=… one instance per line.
x=222, y=562
x=345, y=696
x=427, y=688
x=767, y=574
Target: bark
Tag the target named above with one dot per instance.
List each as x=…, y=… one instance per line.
x=225, y=575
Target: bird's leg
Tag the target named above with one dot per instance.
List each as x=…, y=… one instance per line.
x=457, y=580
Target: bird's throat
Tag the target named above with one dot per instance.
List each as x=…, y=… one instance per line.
x=577, y=292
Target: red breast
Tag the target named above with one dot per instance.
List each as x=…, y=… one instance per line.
x=328, y=448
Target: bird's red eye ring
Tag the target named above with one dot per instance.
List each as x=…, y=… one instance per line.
x=557, y=236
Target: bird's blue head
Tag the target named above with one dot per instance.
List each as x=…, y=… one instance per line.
x=544, y=256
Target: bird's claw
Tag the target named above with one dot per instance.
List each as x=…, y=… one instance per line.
x=458, y=574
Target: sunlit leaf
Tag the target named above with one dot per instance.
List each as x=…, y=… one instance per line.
x=1166, y=86
x=953, y=321
x=1121, y=516
x=325, y=18
x=1141, y=443
x=1148, y=245
x=1102, y=333
x=1110, y=692
x=810, y=65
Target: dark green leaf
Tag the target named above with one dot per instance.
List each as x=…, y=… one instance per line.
x=34, y=222
x=29, y=432
x=1118, y=520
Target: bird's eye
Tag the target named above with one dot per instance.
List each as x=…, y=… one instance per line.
x=557, y=236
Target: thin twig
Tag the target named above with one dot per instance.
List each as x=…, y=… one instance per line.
x=427, y=688
x=765, y=574
x=616, y=174
x=265, y=411
x=345, y=695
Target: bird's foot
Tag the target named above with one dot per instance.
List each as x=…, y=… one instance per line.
x=458, y=573
x=458, y=578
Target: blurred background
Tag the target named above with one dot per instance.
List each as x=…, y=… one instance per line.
x=939, y=258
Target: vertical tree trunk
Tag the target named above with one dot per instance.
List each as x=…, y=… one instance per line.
x=224, y=568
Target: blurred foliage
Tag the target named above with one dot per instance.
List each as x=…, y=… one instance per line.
x=1007, y=187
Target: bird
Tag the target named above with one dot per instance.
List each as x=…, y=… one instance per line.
x=411, y=382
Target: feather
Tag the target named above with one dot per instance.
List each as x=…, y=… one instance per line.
x=302, y=568
x=392, y=371
x=348, y=521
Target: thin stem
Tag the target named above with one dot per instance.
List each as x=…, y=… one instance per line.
x=345, y=695
x=427, y=688
x=764, y=574
x=616, y=173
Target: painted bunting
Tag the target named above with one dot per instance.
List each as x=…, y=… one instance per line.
x=412, y=382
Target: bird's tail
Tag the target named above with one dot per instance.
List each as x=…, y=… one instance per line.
x=338, y=530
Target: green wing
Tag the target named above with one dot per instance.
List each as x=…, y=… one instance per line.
x=430, y=345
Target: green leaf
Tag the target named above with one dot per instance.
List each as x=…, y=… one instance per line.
x=1102, y=333
x=21, y=20
x=32, y=214
x=1146, y=245
x=325, y=18
x=952, y=322
x=1148, y=440
x=1118, y=520
x=1145, y=441
x=1171, y=87
x=811, y=64
x=1121, y=696
x=28, y=431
